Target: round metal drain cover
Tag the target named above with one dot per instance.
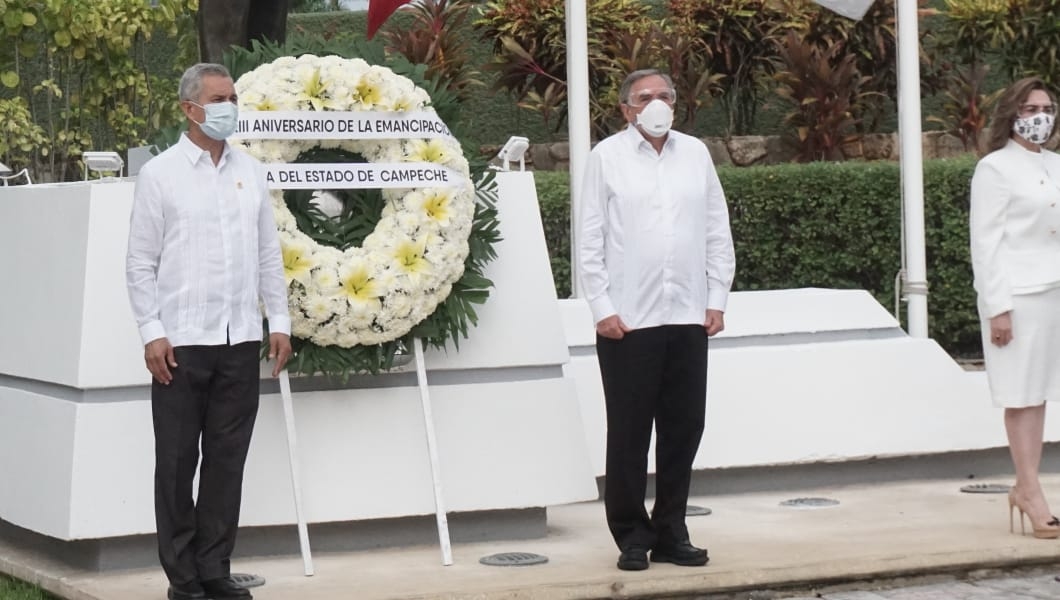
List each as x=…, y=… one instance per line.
x=810, y=503
x=697, y=511
x=248, y=581
x=513, y=559
x=985, y=488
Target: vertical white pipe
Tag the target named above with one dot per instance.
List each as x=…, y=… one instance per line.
x=912, y=165
x=578, y=124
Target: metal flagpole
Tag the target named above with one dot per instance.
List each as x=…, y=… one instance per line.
x=432, y=450
x=912, y=165
x=911, y=154
x=292, y=451
x=578, y=119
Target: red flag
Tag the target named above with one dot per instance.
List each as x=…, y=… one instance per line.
x=379, y=11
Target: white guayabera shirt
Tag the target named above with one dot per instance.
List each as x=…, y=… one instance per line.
x=203, y=249
x=655, y=245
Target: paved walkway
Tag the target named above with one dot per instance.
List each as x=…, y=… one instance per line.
x=877, y=532
x=1012, y=587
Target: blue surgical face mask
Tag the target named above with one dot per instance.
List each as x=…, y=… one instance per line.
x=221, y=119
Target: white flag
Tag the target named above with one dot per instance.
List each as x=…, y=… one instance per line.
x=851, y=9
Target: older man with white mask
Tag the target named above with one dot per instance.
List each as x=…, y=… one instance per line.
x=656, y=263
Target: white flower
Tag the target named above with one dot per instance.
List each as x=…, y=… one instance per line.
x=320, y=307
x=326, y=279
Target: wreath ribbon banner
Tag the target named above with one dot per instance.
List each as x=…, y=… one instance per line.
x=339, y=125
x=350, y=176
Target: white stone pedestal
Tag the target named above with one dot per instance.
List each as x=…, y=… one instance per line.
x=76, y=447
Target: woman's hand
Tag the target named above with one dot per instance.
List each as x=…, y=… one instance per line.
x=1001, y=329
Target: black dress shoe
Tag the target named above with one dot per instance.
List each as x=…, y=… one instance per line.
x=633, y=559
x=225, y=589
x=682, y=553
x=188, y=591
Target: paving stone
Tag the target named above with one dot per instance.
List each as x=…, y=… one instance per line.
x=854, y=596
x=1022, y=587
x=1039, y=587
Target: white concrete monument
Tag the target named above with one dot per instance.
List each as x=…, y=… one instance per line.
x=76, y=444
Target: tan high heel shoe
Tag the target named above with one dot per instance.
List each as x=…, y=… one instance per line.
x=1049, y=531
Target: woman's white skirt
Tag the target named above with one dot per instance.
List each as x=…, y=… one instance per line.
x=1026, y=371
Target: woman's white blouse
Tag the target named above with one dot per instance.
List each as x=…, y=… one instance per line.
x=1015, y=225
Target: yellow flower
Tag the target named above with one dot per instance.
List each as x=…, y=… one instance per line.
x=409, y=257
x=433, y=150
x=436, y=205
x=368, y=93
x=315, y=91
x=359, y=285
x=264, y=105
x=297, y=262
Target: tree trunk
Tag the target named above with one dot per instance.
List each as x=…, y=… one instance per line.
x=226, y=23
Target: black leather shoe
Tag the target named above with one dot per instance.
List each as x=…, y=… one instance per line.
x=633, y=559
x=225, y=589
x=188, y=591
x=682, y=553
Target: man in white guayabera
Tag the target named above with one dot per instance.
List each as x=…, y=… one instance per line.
x=203, y=252
x=656, y=262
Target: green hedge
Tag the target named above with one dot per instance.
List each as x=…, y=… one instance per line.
x=831, y=225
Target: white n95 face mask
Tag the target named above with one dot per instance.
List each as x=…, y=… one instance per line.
x=1035, y=129
x=656, y=118
x=221, y=119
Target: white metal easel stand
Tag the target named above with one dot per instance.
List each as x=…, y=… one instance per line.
x=292, y=451
x=432, y=449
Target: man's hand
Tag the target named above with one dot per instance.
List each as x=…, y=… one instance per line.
x=715, y=322
x=279, y=350
x=158, y=354
x=1001, y=329
x=612, y=327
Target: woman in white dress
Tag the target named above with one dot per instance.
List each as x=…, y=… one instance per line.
x=1015, y=244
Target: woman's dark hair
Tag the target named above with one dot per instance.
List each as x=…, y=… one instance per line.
x=1008, y=109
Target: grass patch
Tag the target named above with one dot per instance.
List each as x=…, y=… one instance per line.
x=13, y=589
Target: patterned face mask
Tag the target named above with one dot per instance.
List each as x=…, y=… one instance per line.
x=1036, y=129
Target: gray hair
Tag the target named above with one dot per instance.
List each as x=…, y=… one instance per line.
x=635, y=76
x=191, y=81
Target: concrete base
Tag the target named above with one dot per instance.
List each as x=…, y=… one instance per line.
x=974, y=466
x=141, y=551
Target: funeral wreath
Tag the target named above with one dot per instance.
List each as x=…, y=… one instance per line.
x=383, y=232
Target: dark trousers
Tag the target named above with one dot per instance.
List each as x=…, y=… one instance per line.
x=213, y=399
x=659, y=375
